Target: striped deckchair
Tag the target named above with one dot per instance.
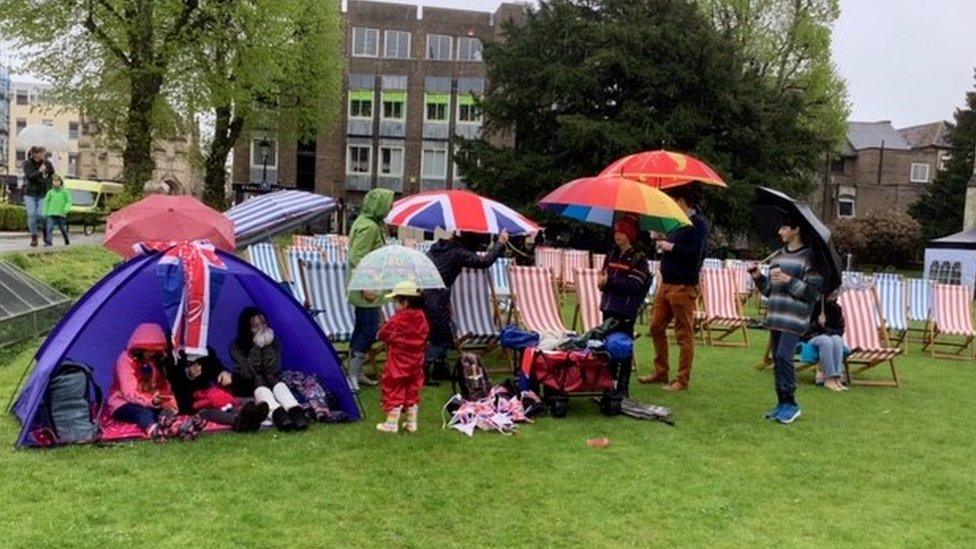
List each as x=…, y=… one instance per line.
x=951, y=317
x=891, y=292
x=502, y=290
x=265, y=257
x=598, y=260
x=476, y=321
x=854, y=279
x=572, y=260
x=866, y=335
x=919, y=306
x=588, y=296
x=296, y=254
x=534, y=299
x=305, y=241
x=712, y=263
x=552, y=259
x=722, y=308
x=744, y=286
x=325, y=285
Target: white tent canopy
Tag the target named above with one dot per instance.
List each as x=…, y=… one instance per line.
x=952, y=258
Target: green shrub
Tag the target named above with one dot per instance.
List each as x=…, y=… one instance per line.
x=888, y=239
x=13, y=218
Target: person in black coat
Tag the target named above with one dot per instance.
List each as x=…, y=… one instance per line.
x=188, y=377
x=38, y=174
x=826, y=333
x=450, y=256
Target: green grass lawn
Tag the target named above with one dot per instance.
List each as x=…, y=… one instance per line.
x=871, y=467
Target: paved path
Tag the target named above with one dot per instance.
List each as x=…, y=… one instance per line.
x=14, y=242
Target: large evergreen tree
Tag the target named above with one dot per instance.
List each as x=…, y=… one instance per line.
x=940, y=208
x=582, y=82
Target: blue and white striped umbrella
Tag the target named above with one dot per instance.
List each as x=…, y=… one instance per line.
x=267, y=215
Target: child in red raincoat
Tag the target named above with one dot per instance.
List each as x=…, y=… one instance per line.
x=405, y=335
x=140, y=393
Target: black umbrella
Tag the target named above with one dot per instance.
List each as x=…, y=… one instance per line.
x=772, y=205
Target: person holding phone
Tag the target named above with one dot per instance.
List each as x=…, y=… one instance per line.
x=793, y=287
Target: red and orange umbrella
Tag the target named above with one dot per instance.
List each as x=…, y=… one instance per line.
x=597, y=199
x=663, y=169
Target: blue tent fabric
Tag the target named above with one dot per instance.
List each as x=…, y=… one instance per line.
x=96, y=329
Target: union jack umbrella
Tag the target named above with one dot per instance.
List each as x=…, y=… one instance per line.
x=458, y=210
x=191, y=274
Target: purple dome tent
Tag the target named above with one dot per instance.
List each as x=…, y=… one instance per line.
x=97, y=328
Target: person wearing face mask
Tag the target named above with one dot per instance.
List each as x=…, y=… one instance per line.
x=257, y=359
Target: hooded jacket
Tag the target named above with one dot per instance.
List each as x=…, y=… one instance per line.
x=405, y=335
x=57, y=202
x=366, y=235
x=137, y=382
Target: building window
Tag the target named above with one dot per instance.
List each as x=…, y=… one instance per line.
x=23, y=97
x=845, y=207
x=837, y=165
x=260, y=157
x=469, y=49
x=357, y=159
x=365, y=42
x=397, y=44
x=21, y=124
x=437, y=107
x=73, y=165
x=468, y=112
x=72, y=130
x=391, y=161
x=944, y=161
x=394, y=103
x=439, y=47
x=433, y=162
x=361, y=104
x=920, y=172
x=48, y=123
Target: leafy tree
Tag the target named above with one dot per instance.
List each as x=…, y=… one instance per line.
x=582, y=82
x=940, y=208
x=111, y=58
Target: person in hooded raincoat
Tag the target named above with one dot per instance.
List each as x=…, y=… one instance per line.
x=405, y=335
x=366, y=235
x=450, y=256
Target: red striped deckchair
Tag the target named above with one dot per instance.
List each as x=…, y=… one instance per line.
x=534, y=300
x=951, y=317
x=573, y=260
x=305, y=241
x=866, y=335
x=722, y=309
x=552, y=259
x=588, y=297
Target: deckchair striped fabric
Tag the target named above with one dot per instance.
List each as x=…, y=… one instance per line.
x=598, y=260
x=919, y=299
x=499, y=277
x=891, y=292
x=866, y=334
x=552, y=259
x=722, y=311
x=588, y=297
x=952, y=310
x=335, y=253
x=473, y=309
x=654, y=267
x=573, y=260
x=264, y=256
x=711, y=263
x=326, y=285
x=296, y=254
x=535, y=299
x=304, y=241
x=743, y=281
x=854, y=279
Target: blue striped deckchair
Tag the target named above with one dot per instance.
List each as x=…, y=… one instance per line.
x=325, y=285
x=891, y=292
x=919, y=299
x=296, y=254
x=264, y=256
x=712, y=263
x=476, y=320
x=500, y=284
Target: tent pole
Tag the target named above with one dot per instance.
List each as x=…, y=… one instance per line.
x=13, y=395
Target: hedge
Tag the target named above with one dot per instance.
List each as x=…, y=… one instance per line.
x=13, y=218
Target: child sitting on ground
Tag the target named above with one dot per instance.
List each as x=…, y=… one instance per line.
x=405, y=335
x=202, y=385
x=257, y=357
x=140, y=393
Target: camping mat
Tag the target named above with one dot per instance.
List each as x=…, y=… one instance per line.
x=116, y=431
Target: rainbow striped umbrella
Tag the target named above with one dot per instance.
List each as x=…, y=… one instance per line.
x=597, y=199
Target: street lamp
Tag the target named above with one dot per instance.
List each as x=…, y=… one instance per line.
x=265, y=146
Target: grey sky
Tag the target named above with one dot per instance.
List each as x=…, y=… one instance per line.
x=908, y=61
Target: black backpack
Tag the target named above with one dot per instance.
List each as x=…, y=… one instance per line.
x=470, y=379
x=73, y=404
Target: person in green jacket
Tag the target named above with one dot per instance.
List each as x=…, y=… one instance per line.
x=366, y=234
x=57, y=204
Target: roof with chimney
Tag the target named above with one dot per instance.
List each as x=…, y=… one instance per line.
x=934, y=134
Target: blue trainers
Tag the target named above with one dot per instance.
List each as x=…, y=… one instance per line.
x=788, y=413
x=774, y=412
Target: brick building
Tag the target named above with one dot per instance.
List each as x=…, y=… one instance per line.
x=411, y=78
x=881, y=168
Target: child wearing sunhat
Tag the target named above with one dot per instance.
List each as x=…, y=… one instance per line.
x=405, y=335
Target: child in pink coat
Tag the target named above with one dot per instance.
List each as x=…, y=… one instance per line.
x=141, y=393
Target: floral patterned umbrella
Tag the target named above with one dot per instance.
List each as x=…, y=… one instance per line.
x=381, y=270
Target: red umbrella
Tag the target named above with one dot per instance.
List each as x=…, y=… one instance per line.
x=663, y=169
x=167, y=218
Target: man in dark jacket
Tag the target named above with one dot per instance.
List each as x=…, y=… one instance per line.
x=624, y=280
x=450, y=256
x=38, y=173
x=683, y=253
